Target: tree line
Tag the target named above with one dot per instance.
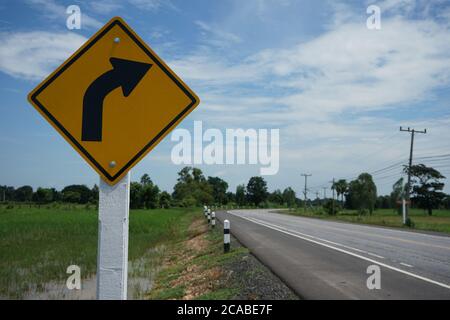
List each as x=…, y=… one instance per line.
x=191, y=189
x=425, y=192
x=194, y=189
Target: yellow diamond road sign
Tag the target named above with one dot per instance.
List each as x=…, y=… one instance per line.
x=113, y=100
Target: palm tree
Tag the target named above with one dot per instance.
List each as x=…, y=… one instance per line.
x=341, y=187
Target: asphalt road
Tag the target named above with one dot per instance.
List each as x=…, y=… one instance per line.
x=322, y=259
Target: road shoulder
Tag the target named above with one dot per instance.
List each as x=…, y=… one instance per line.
x=197, y=268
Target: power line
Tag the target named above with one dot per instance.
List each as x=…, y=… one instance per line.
x=435, y=159
x=447, y=155
x=388, y=176
x=387, y=136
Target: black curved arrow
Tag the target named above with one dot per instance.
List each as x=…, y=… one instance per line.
x=125, y=74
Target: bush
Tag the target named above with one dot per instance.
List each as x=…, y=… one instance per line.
x=409, y=223
x=188, y=202
x=331, y=209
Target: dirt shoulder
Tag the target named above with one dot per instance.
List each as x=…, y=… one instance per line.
x=197, y=268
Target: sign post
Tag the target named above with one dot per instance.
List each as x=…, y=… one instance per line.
x=113, y=100
x=112, y=256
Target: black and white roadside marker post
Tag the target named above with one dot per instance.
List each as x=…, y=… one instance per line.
x=226, y=236
x=209, y=216
x=213, y=219
x=112, y=256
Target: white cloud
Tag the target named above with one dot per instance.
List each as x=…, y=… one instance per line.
x=33, y=55
x=349, y=68
x=397, y=6
x=105, y=6
x=215, y=36
x=152, y=5
x=212, y=70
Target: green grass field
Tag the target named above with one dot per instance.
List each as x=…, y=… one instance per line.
x=439, y=221
x=38, y=244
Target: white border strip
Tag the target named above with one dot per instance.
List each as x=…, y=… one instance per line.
x=304, y=237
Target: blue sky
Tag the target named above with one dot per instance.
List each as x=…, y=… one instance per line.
x=337, y=91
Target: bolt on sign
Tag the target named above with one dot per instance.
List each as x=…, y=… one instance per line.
x=113, y=100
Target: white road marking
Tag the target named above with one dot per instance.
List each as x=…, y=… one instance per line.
x=375, y=255
x=304, y=237
x=406, y=265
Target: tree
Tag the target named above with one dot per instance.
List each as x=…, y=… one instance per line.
x=43, y=195
x=240, y=195
x=136, y=201
x=71, y=196
x=198, y=175
x=257, y=190
x=276, y=197
x=330, y=208
x=426, y=187
x=84, y=193
x=383, y=202
x=144, y=194
x=94, y=194
x=219, y=189
x=446, y=202
x=6, y=193
x=24, y=194
x=340, y=187
x=192, y=189
x=145, y=179
x=397, y=194
x=362, y=193
x=165, y=199
x=231, y=197
x=56, y=195
x=289, y=197
x=150, y=195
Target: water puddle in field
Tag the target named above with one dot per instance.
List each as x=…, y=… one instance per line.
x=141, y=274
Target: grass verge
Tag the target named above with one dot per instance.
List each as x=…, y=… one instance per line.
x=197, y=268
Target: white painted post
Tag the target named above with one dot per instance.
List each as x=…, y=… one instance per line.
x=112, y=257
x=226, y=236
x=404, y=211
x=209, y=216
x=213, y=219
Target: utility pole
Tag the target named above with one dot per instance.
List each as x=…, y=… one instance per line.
x=408, y=185
x=324, y=192
x=305, y=192
x=332, y=188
